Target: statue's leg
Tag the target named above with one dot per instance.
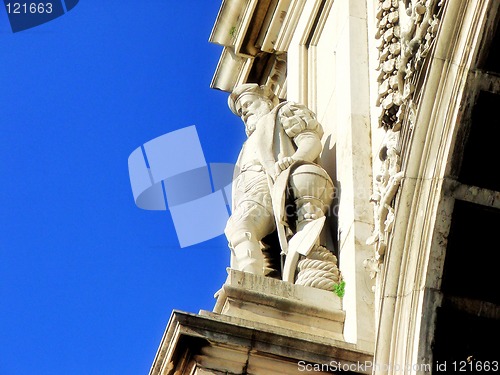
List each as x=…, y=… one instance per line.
x=249, y=223
x=312, y=191
x=247, y=254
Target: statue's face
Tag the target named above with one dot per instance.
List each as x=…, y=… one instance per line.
x=251, y=108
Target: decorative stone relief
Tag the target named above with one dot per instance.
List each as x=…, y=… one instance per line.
x=386, y=185
x=405, y=33
x=280, y=190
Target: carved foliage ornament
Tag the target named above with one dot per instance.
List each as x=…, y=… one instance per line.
x=405, y=34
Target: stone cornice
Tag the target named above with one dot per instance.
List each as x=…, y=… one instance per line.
x=255, y=35
x=194, y=332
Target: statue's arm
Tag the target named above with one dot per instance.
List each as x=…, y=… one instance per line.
x=308, y=146
x=301, y=125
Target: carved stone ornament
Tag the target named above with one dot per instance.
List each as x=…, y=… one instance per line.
x=281, y=194
x=385, y=187
x=405, y=34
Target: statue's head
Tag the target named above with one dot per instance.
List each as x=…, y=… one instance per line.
x=250, y=102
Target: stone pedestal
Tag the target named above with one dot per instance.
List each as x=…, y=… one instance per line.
x=281, y=304
x=261, y=326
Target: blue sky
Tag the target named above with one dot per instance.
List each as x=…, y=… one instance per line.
x=87, y=279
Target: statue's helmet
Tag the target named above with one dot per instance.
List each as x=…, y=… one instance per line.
x=247, y=89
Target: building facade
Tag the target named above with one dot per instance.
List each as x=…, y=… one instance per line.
x=406, y=92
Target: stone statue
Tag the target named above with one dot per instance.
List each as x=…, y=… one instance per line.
x=278, y=187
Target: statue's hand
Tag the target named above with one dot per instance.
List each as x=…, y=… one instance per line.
x=283, y=164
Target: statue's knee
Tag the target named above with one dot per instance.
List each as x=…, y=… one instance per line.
x=252, y=226
x=236, y=238
x=311, y=187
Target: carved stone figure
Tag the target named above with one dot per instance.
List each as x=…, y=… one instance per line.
x=385, y=187
x=278, y=188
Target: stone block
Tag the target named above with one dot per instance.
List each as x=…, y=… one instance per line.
x=281, y=304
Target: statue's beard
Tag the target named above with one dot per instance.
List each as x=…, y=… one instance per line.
x=251, y=122
x=249, y=128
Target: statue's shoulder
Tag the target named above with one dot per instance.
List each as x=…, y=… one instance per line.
x=290, y=109
x=296, y=118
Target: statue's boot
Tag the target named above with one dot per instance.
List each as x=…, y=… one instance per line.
x=249, y=257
